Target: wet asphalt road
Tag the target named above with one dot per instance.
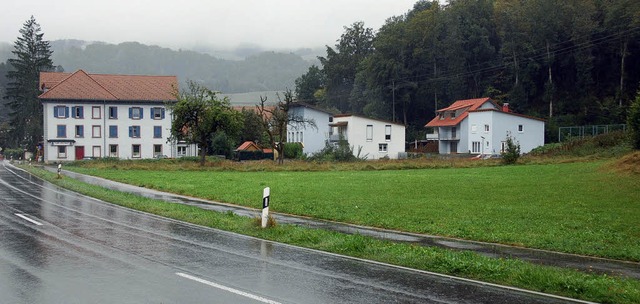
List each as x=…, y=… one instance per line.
x=60, y=247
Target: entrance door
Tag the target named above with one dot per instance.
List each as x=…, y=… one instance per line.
x=79, y=152
x=454, y=147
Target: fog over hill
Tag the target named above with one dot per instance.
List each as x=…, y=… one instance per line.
x=244, y=69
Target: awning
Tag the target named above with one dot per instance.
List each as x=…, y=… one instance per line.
x=61, y=142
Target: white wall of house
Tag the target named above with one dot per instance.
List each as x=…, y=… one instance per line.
x=97, y=140
x=313, y=139
x=378, y=139
x=495, y=126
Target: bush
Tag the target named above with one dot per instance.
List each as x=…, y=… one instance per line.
x=292, y=150
x=341, y=152
x=512, y=152
x=15, y=153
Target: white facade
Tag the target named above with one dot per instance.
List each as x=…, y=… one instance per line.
x=313, y=139
x=372, y=138
x=77, y=130
x=489, y=130
x=479, y=126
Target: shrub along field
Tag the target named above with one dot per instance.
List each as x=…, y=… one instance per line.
x=576, y=207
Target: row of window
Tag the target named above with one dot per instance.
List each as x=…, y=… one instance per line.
x=476, y=146
x=387, y=133
x=96, y=131
x=474, y=128
x=297, y=136
x=113, y=151
x=96, y=112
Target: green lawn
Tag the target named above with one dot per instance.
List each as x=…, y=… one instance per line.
x=575, y=207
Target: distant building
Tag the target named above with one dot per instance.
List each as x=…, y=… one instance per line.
x=480, y=126
x=313, y=139
x=372, y=138
x=96, y=115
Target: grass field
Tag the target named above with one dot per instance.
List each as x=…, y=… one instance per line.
x=570, y=207
x=512, y=272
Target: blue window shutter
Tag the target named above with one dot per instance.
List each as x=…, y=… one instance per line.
x=162, y=113
x=66, y=112
x=115, y=112
x=153, y=112
x=130, y=113
x=141, y=113
x=130, y=131
x=55, y=112
x=81, y=130
x=157, y=132
x=73, y=111
x=81, y=112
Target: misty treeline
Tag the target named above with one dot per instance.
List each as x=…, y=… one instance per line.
x=266, y=71
x=573, y=62
x=261, y=71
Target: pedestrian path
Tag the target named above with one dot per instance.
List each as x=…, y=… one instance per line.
x=579, y=262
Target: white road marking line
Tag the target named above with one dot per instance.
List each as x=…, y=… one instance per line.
x=229, y=289
x=28, y=219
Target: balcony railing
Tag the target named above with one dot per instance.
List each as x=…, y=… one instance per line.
x=336, y=137
x=449, y=137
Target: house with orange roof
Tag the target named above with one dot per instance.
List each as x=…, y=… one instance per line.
x=98, y=115
x=480, y=126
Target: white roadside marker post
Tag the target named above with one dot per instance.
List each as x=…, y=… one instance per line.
x=265, y=206
x=59, y=171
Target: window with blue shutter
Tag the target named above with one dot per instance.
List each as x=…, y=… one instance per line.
x=77, y=112
x=62, y=131
x=113, y=112
x=157, y=113
x=79, y=131
x=113, y=131
x=60, y=112
x=134, y=131
x=157, y=132
x=135, y=113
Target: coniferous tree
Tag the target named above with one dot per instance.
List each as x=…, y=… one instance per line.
x=32, y=55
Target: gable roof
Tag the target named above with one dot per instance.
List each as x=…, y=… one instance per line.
x=83, y=86
x=248, y=146
x=467, y=105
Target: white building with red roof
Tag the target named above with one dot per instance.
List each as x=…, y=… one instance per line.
x=480, y=126
x=97, y=115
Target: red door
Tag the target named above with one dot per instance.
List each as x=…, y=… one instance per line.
x=79, y=152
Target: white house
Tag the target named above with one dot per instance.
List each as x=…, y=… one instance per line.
x=480, y=126
x=313, y=139
x=373, y=138
x=96, y=115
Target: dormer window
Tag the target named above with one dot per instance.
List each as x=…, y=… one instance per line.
x=452, y=115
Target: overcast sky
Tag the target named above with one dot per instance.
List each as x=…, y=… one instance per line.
x=187, y=23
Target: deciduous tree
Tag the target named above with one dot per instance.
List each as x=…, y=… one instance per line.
x=199, y=114
x=275, y=120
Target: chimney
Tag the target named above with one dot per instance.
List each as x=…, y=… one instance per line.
x=505, y=107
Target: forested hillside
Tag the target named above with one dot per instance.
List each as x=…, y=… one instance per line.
x=266, y=71
x=571, y=62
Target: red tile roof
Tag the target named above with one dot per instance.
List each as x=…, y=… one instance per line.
x=83, y=86
x=469, y=104
x=248, y=146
